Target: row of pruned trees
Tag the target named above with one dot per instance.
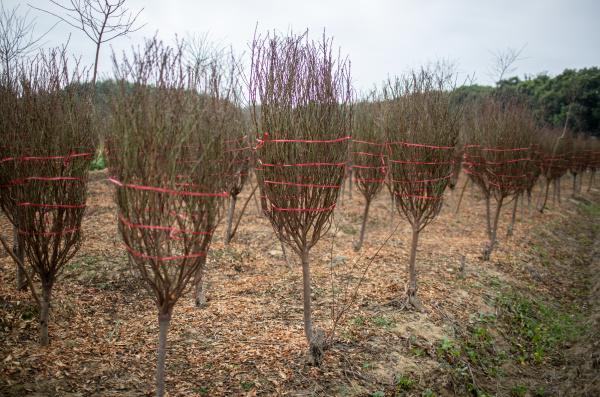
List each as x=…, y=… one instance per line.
x=179, y=144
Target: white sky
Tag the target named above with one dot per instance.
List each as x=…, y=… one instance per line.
x=381, y=37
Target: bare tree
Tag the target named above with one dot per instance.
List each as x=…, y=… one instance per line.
x=554, y=147
x=238, y=165
x=499, y=157
x=167, y=164
x=100, y=20
x=45, y=175
x=17, y=40
x=578, y=160
x=503, y=62
x=17, y=36
x=301, y=98
x=422, y=131
x=368, y=155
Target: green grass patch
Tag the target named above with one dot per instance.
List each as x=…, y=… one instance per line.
x=538, y=331
x=383, y=321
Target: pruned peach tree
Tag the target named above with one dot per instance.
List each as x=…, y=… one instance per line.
x=45, y=167
x=554, y=147
x=301, y=99
x=501, y=135
x=368, y=154
x=578, y=160
x=422, y=129
x=166, y=163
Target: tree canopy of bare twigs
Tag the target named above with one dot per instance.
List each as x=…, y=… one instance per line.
x=301, y=98
x=422, y=130
x=555, y=148
x=17, y=37
x=578, y=159
x=44, y=167
x=100, y=20
x=500, y=154
x=503, y=62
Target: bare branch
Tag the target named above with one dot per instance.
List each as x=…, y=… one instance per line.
x=17, y=37
x=503, y=62
x=100, y=20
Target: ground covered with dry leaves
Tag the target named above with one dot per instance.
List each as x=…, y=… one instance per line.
x=523, y=324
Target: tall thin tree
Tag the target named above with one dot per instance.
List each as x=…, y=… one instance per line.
x=301, y=99
x=165, y=161
x=422, y=131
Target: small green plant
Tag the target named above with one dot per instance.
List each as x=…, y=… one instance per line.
x=378, y=393
x=383, y=321
x=404, y=383
x=417, y=352
x=247, y=385
x=358, y=320
x=447, y=347
x=428, y=393
x=518, y=391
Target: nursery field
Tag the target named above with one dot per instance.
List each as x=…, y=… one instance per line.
x=524, y=323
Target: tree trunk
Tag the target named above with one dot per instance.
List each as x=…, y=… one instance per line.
x=488, y=250
x=543, y=206
x=528, y=202
x=591, y=180
x=462, y=193
x=230, y=212
x=163, y=322
x=509, y=232
x=558, y=189
x=488, y=216
x=359, y=243
x=285, y=257
x=95, y=73
x=315, y=345
x=201, y=281
x=522, y=214
x=350, y=185
x=392, y=209
x=574, y=185
x=412, y=301
x=19, y=250
x=243, y=211
x=45, y=313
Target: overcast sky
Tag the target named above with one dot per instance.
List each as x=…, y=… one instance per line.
x=381, y=37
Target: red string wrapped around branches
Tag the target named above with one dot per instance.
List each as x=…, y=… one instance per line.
x=166, y=160
x=301, y=99
x=44, y=168
x=500, y=156
x=422, y=130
